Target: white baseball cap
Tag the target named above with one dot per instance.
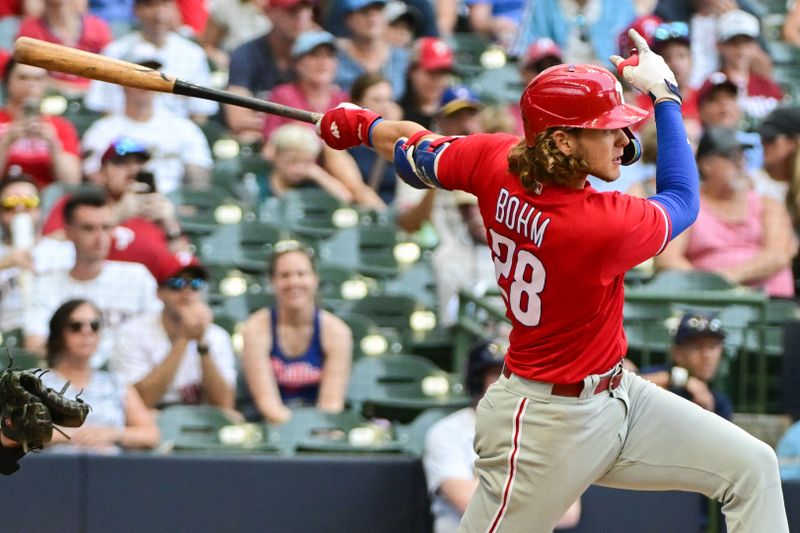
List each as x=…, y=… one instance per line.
x=737, y=22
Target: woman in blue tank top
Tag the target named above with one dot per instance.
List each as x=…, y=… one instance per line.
x=295, y=353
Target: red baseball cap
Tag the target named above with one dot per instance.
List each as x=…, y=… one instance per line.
x=715, y=82
x=541, y=48
x=431, y=53
x=173, y=265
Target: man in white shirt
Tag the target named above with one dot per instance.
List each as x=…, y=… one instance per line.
x=179, y=56
x=120, y=290
x=179, y=152
x=178, y=356
x=24, y=253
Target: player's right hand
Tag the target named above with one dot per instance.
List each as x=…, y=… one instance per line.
x=347, y=125
x=647, y=71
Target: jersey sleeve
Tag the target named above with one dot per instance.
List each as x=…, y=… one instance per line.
x=637, y=229
x=468, y=162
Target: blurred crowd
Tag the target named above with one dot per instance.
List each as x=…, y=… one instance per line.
x=100, y=277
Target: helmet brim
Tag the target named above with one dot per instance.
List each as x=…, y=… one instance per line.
x=622, y=116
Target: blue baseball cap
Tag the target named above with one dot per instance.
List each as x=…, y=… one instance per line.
x=123, y=147
x=309, y=40
x=355, y=5
x=456, y=98
x=698, y=324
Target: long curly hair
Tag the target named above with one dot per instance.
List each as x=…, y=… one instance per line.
x=544, y=162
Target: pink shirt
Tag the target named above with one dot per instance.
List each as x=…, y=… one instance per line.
x=291, y=95
x=715, y=242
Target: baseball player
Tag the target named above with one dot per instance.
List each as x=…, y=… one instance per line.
x=564, y=414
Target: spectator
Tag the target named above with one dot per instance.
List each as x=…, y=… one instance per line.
x=497, y=19
x=177, y=55
x=314, y=65
x=374, y=92
x=20, y=8
x=718, y=106
x=295, y=353
x=264, y=62
x=449, y=456
x=404, y=23
x=336, y=11
x=177, y=356
x=788, y=452
x=180, y=155
x=696, y=353
x=63, y=23
x=431, y=66
x=42, y=146
x=739, y=233
x=586, y=30
x=780, y=133
x=462, y=258
x=120, y=290
x=231, y=24
x=367, y=48
x=738, y=49
x=541, y=54
x=293, y=150
x=19, y=197
x=146, y=227
x=118, y=418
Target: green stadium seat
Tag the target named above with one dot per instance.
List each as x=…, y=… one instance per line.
x=412, y=435
x=399, y=387
x=201, y=211
x=498, y=86
x=688, y=280
x=310, y=430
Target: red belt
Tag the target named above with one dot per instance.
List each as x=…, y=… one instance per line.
x=574, y=390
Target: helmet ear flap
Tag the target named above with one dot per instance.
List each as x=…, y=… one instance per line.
x=633, y=150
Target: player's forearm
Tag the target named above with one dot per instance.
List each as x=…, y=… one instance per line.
x=386, y=132
x=677, y=183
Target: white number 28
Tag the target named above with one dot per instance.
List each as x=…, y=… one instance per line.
x=528, y=278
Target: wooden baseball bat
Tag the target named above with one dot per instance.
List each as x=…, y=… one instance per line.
x=61, y=58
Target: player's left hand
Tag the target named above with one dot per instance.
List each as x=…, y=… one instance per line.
x=647, y=71
x=347, y=125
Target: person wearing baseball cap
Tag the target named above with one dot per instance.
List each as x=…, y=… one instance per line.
x=740, y=233
x=737, y=42
x=430, y=69
x=177, y=355
x=540, y=55
x=367, y=48
x=780, y=135
x=315, y=64
x=696, y=352
x=717, y=102
x=405, y=23
x=458, y=111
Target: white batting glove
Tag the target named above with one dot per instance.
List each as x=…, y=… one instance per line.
x=647, y=71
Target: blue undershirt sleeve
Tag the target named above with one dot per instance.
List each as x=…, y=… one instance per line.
x=677, y=187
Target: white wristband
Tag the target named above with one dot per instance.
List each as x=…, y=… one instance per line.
x=678, y=377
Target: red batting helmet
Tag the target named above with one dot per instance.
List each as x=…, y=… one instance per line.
x=578, y=96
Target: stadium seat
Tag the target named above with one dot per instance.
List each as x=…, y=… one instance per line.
x=310, y=212
x=388, y=311
x=310, y=430
x=399, y=387
x=201, y=211
x=412, y=435
x=688, y=280
x=498, y=86
x=19, y=358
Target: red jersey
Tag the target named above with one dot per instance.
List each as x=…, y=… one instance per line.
x=95, y=35
x=32, y=155
x=559, y=256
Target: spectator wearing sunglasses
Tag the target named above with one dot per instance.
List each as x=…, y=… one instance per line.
x=19, y=198
x=177, y=355
x=42, y=146
x=120, y=290
x=119, y=418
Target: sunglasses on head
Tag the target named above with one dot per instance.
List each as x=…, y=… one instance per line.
x=77, y=325
x=20, y=200
x=125, y=147
x=671, y=30
x=177, y=284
